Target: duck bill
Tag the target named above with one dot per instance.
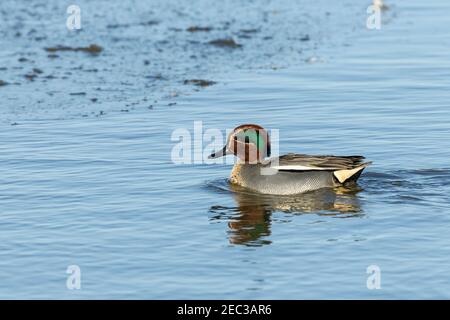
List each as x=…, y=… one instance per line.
x=218, y=154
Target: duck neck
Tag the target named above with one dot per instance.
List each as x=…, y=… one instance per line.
x=243, y=171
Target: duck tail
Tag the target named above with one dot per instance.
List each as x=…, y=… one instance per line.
x=348, y=175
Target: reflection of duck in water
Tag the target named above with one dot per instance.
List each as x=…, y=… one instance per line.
x=288, y=174
x=250, y=221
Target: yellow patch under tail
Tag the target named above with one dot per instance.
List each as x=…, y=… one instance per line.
x=350, y=174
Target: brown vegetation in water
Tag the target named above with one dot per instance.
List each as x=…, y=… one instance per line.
x=92, y=49
x=199, y=29
x=225, y=43
x=199, y=82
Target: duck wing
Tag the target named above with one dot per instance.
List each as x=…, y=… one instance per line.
x=303, y=162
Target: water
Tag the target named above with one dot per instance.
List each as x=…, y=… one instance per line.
x=99, y=190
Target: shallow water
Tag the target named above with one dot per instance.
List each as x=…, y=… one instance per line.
x=100, y=190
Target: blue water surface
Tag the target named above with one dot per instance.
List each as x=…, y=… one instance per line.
x=93, y=184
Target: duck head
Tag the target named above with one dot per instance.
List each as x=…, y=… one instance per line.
x=249, y=142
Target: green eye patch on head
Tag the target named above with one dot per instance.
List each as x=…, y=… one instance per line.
x=251, y=136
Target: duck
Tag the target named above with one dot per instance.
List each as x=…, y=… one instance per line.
x=288, y=174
